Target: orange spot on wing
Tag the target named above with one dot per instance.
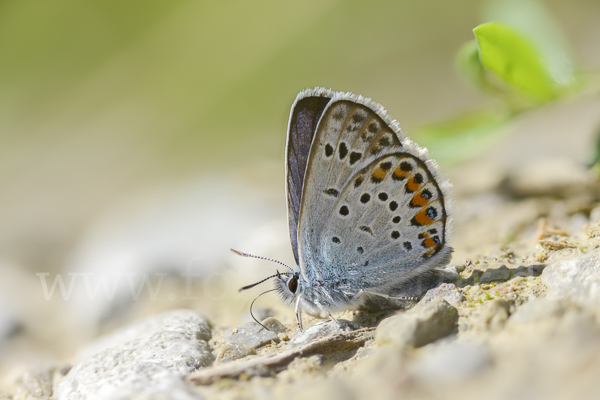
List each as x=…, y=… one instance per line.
x=422, y=218
x=412, y=185
x=400, y=174
x=379, y=174
x=429, y=243
x=418, y=200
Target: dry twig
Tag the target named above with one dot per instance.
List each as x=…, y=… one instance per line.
x=266, y=365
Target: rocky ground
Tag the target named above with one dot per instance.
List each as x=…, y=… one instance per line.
x=517, y=315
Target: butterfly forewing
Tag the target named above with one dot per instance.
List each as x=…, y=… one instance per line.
x=368, y=201
x=305, y=115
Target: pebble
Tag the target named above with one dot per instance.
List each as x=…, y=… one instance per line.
x=274, y=325
x=251, y=335
x=446, y=291
x=577, y=279
x=421, y=325
x=317, y=331
x=502, y=273
x=233, y=351
x=38, y=382
x=153, y=363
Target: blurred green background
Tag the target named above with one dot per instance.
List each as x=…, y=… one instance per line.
x=100, y=100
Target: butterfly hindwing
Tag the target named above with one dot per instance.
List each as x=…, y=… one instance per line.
x=370, y=199
x=390, y=220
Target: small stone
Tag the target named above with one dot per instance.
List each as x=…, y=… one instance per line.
x=502, y=273
x=577, y=279
x=421, y=325
x=38, y=383
x=446, y=291
x=274, y=325
x=233, y=351
x=317, y=331
x=251, y=335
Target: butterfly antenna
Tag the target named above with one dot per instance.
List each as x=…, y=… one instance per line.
x=278, y=274
x=251, y=304
x=239, y=253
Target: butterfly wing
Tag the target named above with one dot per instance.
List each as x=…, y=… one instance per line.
x=373, y=209
x=305, y=114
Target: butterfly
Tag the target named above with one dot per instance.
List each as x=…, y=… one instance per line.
x=367, y=207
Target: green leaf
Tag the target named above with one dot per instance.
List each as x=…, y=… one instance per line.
x=533, y=19
x=469, y=65
x=515, y=60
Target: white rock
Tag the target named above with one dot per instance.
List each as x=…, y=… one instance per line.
x=146, y=360
x=251, y=335
x=577, y=279
x=446, y=291
x=319, y=330
x=421, y=325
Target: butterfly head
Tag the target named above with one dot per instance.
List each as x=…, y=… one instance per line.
x=288, y=286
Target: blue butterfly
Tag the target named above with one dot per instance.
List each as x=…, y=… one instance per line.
x=367, y=207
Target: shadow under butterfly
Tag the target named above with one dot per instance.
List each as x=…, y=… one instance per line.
x=367, y=208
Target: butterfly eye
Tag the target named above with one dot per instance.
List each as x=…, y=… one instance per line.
x=293, y=284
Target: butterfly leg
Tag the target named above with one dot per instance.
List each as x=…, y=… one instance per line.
x=299, y=314
x=342, y=324
x=326, y=311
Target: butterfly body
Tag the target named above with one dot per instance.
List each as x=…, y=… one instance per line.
x=367, y=208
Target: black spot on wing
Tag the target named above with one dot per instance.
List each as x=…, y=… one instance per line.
x=343, y=150
x=359, y=181
x=344, y=210
x=354, y=157
x=384, y=141
x=365, y=198
x=356, y=118
x=331, y=192
x=386, y=166
x=328, y=150
x=336, y=240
